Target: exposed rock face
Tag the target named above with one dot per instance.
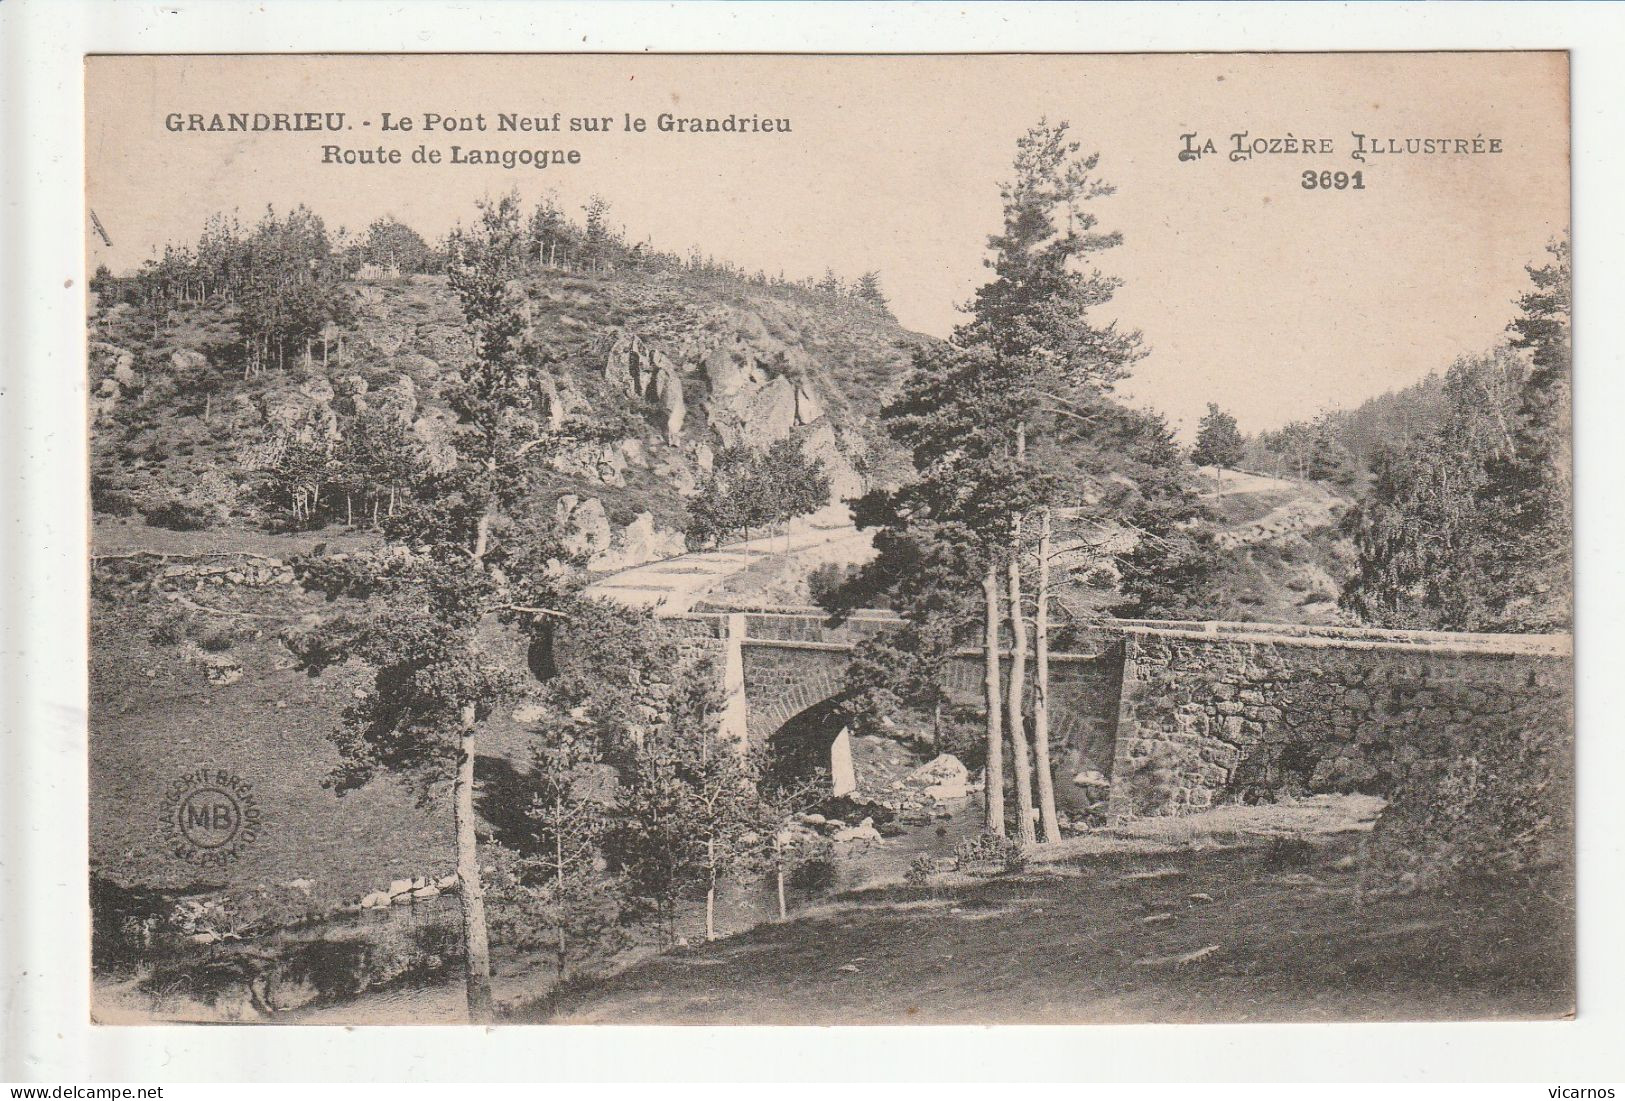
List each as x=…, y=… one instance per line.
x=584, y=525
x=764, y=416
x=640, y=542
x=117, y=368
x=351, y=391
x=304, y=412
x=400, y=399
x=724, y=376
x=669, y=392
x=759, y=389
x=808, y=407
x=818, y=442
x=647, y=373
x=434, y=433
x=611, y=466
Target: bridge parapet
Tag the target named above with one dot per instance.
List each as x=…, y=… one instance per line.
x=1467, y=735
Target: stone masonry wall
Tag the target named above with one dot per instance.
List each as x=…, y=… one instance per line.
x=1205, y=717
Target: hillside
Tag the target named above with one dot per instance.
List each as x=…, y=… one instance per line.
x=1282, y=556
x=655, y=373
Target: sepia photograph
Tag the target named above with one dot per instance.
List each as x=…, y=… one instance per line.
x=829, y=539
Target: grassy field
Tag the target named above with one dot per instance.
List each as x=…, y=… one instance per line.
x=1214, y=919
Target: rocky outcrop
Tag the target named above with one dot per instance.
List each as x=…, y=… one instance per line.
x=303, y=412
x=583, y=525
x=646, y=373
x=115, y=367
x=639, y=542
x=434, y=432
x=399, y=399
x=350, y=394
x=818, y=442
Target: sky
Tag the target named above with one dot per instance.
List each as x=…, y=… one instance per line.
x=1274, y=300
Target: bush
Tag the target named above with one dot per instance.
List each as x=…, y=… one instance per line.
x=178, y=515
x=214, y=637
x=989, y=850
x=825, y=581
x=814, y=871
x=108, y=499
x=921, y=870
x=169, y=625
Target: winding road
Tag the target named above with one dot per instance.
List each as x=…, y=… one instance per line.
x=673, y=586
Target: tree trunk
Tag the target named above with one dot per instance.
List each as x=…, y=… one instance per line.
x=1046, y=779
x=1018, y=684
x=993, y=774
x=711, y=891
x=208, y=406
x=470, y=889
x=1018, y=669
x=558, y=880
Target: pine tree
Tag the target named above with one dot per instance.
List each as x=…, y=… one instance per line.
x=464, y=550
x=1034, y=319
x=868, y=290
x=1529, y=493
x=1218, y=441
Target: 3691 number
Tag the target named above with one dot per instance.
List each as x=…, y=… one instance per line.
x=1327, y=180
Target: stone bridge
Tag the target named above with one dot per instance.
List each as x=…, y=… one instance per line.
x=1178, y=715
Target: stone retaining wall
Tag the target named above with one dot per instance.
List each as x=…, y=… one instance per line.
x=1470, y=739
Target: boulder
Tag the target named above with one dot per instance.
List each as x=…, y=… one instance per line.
x=723, y=375
x=378, y=900
x=808, y=407
x=768, y=414
x=399, y=887
x=945, y=768
x=864, y=832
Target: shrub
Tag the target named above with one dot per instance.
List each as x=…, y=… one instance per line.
x=921, y=870
x=814, y=871
x=825, y=581
x=213, y=636
x=169, y=625
x=990, y=850
x=178, y=515
x=108, y=499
